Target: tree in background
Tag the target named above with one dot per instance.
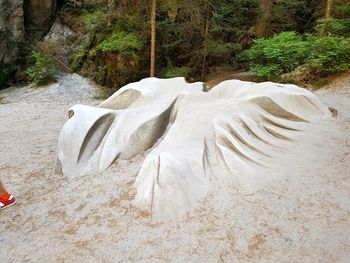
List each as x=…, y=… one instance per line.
x=297, y=15
x=327, y=17
x=336, y=19
x=262, y=25
x=181, y=26
x=305, y=58
x=153, y=37
x=188, y=38
x=196, y=35
x=205, y=46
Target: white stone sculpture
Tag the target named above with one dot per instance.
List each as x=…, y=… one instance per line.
x=230, y=131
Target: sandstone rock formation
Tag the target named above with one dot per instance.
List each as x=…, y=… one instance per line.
x=11, y=30
x=129, y=122
x=15, y=16
x=230, y=132
x=39, y=14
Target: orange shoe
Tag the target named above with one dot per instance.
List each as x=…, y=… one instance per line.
x=7, y=200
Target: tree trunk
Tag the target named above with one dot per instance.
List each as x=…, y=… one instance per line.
x=261, y=28
x=153, y=38
x=329, y=7
x=111, y=10
x=205, y=47
x=327, y=16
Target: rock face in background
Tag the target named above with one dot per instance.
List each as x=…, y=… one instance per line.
x=39, y=15
x=11, y=30
x=234, y=133
x=11, y=37
x=17, y=18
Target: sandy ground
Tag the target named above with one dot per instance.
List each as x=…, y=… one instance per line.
x=302, y=215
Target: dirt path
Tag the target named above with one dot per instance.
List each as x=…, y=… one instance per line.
x=303, y=216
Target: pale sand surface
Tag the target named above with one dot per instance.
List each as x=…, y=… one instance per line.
x=301, y=215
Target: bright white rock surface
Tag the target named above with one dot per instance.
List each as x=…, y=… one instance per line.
x=302, y=215
x=233, y=134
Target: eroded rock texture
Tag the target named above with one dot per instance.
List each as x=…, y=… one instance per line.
x=228, y=132
x=20, y=20
x=35, y=15
x=11, y=30
x=39, y=15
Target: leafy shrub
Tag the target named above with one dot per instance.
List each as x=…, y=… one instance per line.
x=177, y=72
x=122, y=42
x=329, y=54
x=91, y=20
x=266, y=70
x=286, y=51
x=339, y=27
x=42, y=71
x=339, y=24
x=78, y=5
x=280, y=54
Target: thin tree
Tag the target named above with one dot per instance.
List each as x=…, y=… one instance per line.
x=327, y=16
x=329, y=7
x=261, y=28
x=153, y=37
x=205, y=46
x=207, y=8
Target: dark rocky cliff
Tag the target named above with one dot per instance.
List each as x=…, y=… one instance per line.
x=11, y=37
x=39, y=15
x=18, y=18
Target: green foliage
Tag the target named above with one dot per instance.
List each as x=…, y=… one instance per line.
x=280, y=54
x=181, y=27
x=79, y=54
x=232, y=18
x=329, y=54
x=79, y=5
x=42, y=71
x=90, y=20
x=296, y=15
x=286, y=51
x=177, y=72
x=268, y=70
x=122, y=42
x=77, y=57
x=343, y=10
x=338, y=25
x=113, y=42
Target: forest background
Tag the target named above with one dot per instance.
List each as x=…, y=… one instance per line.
x=110, y=41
